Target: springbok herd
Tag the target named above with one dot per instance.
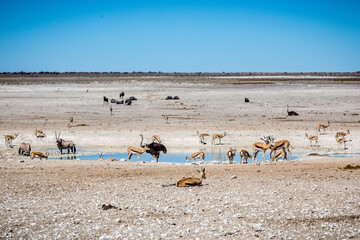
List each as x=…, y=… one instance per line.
x=278, y=150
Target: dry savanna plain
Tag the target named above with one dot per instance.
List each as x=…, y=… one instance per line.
x=313, y=196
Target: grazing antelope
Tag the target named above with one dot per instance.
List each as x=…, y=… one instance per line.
x=108, y=159
x=280, y=144
x=197, y=155
x=260, y=146
x=230, y=155
x=136, y=151
x=192, y=181
x=245, y=155
x=281, y=154
x=39, y=133
x=341, y=140
x=343, y=134
x=323, y=127
x=39, y=154
x=217, y=136
x=312, y=138
x=202, y=137
x=156, y=138
x=62, y=144
x=25, y=149
x=9, y=138
x=166, y=117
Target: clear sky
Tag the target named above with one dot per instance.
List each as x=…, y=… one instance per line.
x=180, y=36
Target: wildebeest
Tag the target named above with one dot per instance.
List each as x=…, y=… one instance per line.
x=25, y=149
x=106, y=99
x=132, y=98
x=122, y=94
x=113, y=100
x=62, y=144
x=120, y=102
x=168, y=98
x=176, y=98
x=247, y=100
x=128, y=102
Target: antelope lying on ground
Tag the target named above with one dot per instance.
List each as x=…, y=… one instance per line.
x=24, y=149
x=9, y=138
x=191, y=181
x=39, y=133
x=62, y=144
x=312, y=138
x=217, y=136
x=39, y=154
x=230, y=155
x=197, y=155
x=245, y=155
x=109, y=159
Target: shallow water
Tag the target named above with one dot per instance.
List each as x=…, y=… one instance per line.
x=178, y=157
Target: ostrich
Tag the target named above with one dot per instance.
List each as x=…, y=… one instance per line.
x=291, y=113
x=154, y=149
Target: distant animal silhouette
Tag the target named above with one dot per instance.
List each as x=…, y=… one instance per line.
x=291, y=113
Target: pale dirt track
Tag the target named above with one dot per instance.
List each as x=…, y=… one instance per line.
x=311, y=198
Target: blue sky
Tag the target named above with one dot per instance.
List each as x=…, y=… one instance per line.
x=180, y=36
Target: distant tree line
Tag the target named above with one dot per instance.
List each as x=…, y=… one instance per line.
x=150, y=73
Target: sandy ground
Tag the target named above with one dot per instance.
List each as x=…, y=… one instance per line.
x=311, y=198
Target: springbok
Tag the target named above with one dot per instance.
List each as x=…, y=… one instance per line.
x=244, y=155
x=197, y=155
x=323, y=127
x=230, y=155
x=9, y=138
x=312, y=138
x=108, y=159
x=202, y=137
x=280, y=144
x=136, y=151
x=341, y=140
x=217, y=136
x=156, y=138
x=25, y=149
x=62, y=144
x=39, y=154
x=342, y=134
x=39, y=133
x=281, y=154
x=166, y=117
x=260, y=146
x=192, y=181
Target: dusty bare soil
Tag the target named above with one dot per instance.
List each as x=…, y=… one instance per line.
x=311, y=198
